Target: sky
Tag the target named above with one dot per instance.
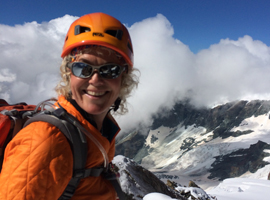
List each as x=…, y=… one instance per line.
x=197, y=23
x=209, y=51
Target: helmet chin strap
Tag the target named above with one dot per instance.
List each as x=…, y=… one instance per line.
x=116, y=104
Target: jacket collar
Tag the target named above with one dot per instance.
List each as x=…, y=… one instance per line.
x=109, y=128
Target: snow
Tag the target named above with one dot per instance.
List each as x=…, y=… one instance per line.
x=161, y=133
x=124, y=181
x=242, y=188
x=167, y=157
x=232, y=189
x=261, y=129
x=197, y=193
x=156, y=196
x=166, y=148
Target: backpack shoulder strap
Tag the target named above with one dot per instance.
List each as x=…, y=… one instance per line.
x=77, y=143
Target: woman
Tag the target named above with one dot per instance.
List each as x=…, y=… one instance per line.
x=97, y=77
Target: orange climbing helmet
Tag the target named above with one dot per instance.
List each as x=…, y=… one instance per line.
x=99, y=29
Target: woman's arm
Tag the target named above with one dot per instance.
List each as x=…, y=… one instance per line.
x=38, y=164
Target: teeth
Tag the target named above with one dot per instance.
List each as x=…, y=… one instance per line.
x=95, y=93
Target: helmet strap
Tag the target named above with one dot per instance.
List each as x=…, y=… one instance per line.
x=116, y=104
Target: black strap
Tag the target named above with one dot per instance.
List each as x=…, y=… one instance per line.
x=121, y=195
x=112, y=177
x=97, y=171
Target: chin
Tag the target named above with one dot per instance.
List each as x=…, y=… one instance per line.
x=96, y=111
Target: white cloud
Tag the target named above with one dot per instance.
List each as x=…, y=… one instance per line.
x=6, y=76
x=31, y=55
x=232, y=70
x=227, y=71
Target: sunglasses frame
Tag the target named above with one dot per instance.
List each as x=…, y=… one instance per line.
x=97, y=69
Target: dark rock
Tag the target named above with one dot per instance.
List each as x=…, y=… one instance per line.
x=171, y=184
x=192, y=184
x=129, y=147
x=187, y=143
x=239, y=162
x=153, y=183
x=145, y=181
x=153, y=139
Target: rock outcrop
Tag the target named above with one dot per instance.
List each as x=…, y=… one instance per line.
x=239, y=162
x=137, y=181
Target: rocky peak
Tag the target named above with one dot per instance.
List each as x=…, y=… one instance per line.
x=220, y=119
x=239, y=162
x=136, y=182
x=200, y=143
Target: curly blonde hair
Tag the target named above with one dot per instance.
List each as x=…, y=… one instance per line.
x=130, y=81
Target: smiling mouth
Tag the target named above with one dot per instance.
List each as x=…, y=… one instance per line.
x=95, y=94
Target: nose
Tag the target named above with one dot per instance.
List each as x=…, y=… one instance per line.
x=95, y=78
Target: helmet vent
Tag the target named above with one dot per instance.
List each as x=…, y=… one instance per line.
x=81, y=29
x=129, y=46
x=115, y=33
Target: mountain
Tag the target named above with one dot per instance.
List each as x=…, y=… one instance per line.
x=137, y=182
x=206, y=145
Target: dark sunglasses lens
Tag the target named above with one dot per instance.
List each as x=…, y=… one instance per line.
x=81, y=70
x=110, y=71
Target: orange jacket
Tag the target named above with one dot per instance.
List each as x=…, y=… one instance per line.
x=38, y=163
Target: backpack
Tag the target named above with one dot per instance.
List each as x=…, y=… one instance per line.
x=17, y=116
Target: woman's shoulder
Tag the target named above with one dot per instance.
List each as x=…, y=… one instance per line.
x=40, y=134
x=39, y=150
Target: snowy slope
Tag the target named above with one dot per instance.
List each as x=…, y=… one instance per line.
x=168, y=155
x=231, y=189
x=195, y=145
x=242, y=189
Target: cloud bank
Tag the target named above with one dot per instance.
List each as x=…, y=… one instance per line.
x=227, y=71
x=29, y=68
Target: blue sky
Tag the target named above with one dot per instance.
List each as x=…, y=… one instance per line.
x=219, y=52
x=197, y=23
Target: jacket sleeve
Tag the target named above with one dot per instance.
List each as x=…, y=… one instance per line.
x=38, y=164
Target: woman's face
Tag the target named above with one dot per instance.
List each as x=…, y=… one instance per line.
x=95, y=95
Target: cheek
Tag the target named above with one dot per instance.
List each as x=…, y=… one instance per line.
x=75, y=83
x=116, y=85
x=72, y=83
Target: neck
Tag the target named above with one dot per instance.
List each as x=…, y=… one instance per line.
x=99, y=123
x=96, y=120
x=99, y=120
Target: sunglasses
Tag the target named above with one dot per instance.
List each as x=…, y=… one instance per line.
x=84, y=70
